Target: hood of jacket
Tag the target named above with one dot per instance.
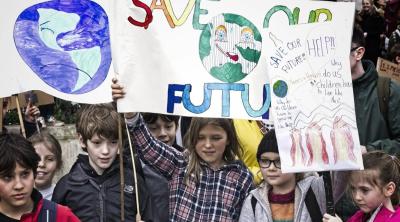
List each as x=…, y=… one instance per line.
x=302, y=186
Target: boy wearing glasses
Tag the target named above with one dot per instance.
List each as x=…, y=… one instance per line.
x=282, y=197
x=162, y=127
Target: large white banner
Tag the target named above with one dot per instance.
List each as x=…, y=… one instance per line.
x=204, y=58
x=59, y=47
x=312, y=97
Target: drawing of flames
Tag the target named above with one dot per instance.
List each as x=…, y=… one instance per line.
x=308, y=143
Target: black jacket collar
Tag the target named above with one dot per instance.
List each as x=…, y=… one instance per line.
x=81, y=171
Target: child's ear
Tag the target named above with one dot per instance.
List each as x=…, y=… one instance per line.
x=389, y=189
x=81, y=142
x=360, y=53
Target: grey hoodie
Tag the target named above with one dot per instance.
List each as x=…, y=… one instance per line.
x=263, y=210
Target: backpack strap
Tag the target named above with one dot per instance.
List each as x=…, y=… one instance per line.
x=383, y=88
x=253, y=205
x=312, y=206
x=397, y=35
x=48, y=212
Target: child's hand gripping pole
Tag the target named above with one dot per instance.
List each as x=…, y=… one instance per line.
x=31, y=114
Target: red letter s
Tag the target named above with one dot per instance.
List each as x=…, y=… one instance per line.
x=149, y=15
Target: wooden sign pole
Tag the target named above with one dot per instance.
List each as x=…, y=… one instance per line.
x=121, y=169
x=1, y=116
x=21, y=120
x=138, y=215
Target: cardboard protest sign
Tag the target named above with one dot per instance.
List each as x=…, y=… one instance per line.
x=203, y=58
x=36, y=97
x=388, y=69
x=312, y=96
x=59, y=47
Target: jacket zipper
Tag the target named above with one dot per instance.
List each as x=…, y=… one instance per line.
x=101, y=203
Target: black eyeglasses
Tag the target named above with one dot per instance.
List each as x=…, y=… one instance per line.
x=265, y=163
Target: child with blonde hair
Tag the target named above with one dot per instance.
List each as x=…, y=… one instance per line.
x=49, y=150
x=208, y=185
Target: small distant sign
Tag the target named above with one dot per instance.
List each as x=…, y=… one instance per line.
x=388, y=69
x=37, y=98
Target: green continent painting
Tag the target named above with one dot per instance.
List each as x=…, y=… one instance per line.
x=280, y=88
x=230, y=47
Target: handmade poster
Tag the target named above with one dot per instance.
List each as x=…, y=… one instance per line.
x=204, y=57
x=36, y=97
x=388, y=69
x=312, y=97
x=59, y=47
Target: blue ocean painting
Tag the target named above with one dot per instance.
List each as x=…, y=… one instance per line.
x=66, y=43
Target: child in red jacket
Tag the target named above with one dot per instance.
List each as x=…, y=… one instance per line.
x=19, y=201
x=375, y=189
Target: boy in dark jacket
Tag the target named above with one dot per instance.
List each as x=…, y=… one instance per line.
x=92, y=187
x=19, y=201
x=163, y=127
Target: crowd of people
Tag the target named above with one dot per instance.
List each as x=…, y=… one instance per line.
x=224, y=170
x=379, y=20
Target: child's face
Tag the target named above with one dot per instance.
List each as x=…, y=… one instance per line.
x=273, y=175
x=366, y=195
x=16, y=189
x=47, y=166
x=101, y=151
x=211, y=144
x=163, y=131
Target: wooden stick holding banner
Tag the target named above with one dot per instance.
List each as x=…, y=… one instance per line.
x=1, y=116
x=21, y=120
x=138, y=216
x=121, y=169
